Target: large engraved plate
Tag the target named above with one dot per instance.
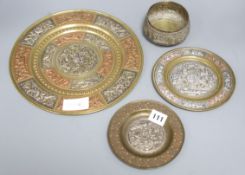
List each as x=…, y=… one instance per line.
x=141, y=143
x=74, y=55
x=193, y=79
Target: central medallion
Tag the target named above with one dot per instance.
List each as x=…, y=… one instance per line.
x=77, y=59
x=145, y=136
x=193, y=79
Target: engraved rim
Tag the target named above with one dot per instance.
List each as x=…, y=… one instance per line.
x=105, y=104
x=215, y=63
x=126, y=116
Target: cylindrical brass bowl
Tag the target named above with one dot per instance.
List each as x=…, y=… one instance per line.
x=166, y=23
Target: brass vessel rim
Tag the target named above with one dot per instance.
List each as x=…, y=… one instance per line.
x=168, y=4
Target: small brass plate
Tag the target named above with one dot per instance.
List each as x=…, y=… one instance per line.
x=141, y=143
x=193, y=79
x=76, y=62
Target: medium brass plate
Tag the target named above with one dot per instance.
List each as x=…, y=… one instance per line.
x=76, y=55
x=193, y=79
x=141, y=143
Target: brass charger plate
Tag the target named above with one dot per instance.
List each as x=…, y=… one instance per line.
x=89, y=59
x=193, y=79
x=141, y=143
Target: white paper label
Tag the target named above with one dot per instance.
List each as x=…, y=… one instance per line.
x=158, y=117
x=75, y=104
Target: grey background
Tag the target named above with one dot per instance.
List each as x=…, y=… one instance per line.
x=35, y=142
